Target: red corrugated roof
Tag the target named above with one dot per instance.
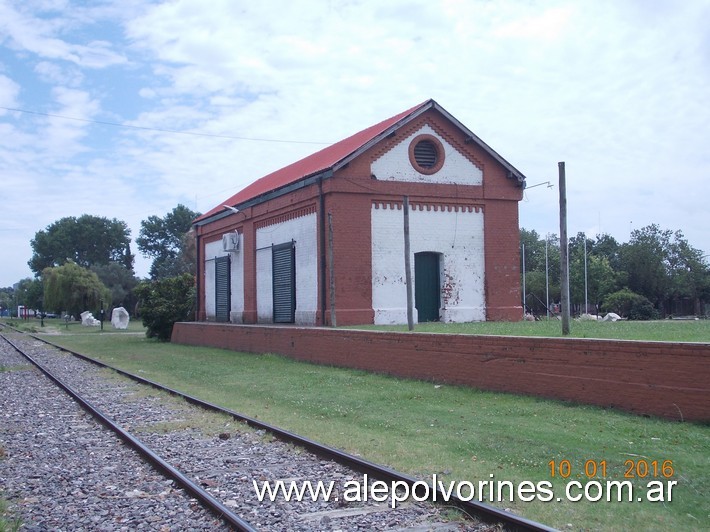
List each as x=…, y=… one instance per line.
x=318, y=162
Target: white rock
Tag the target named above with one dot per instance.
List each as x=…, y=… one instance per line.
x=120, y=318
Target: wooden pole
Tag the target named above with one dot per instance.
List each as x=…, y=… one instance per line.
x=408, y=266
x=331, y=271
x=547, y=282
x=524, y=292
x=564, y=259
x=586, y=303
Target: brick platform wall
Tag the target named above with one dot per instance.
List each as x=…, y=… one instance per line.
x=669, y=380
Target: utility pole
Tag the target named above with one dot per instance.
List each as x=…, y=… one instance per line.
x=524, y=287
x=586, y=307
x=408, y=266
x=547, y=279
x=564, y=259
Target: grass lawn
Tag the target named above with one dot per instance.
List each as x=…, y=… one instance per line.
x=457, y=433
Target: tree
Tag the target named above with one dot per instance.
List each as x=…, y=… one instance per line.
x=537, y=285
x=29, y=292
x=73, y=289
x=538, y=291
x=87, y=240
x=164, y=239
x=7, y=299
x=662, y=266
x=534, y=250
x=630, y=304
x=164, y=302
x=689, y=276
x=120, y=281
x=659, y=265
x=601, y=278
x=606, y=246
x=645, y=259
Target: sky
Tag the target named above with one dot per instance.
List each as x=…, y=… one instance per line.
x=125, y=109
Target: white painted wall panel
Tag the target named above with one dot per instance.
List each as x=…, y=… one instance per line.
x=456, y=234
x=212, y=250
x=395, y=166
x=237, y=283
x=304, y=231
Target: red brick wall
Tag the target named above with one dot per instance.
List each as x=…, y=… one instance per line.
x=503, y=294
x=670, y=380
x=352, y=256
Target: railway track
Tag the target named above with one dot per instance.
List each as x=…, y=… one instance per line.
x=218, y=464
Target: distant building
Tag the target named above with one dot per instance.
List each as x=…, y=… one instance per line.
x=266, y=257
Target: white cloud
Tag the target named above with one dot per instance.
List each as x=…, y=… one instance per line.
x=39, y=36
x=8, y=93
x=56, y=74
x=546, y=26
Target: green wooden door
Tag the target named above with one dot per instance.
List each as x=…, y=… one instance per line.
x=427, y=286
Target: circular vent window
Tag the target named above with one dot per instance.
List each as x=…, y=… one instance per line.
x=426, y=154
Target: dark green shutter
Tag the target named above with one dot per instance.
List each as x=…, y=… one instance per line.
x=427, y=286
x=222, y=288
x=284, y=282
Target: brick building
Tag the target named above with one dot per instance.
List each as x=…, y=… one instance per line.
x=268, y=254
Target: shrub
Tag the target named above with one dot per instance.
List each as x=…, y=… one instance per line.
x=164, y=302
x=642, y=309
x=630, y=304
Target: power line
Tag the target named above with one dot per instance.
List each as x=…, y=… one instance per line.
x=143, y=128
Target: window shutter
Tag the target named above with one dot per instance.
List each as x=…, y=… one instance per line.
x=284, y=282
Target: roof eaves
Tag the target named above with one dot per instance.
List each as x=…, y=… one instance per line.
x=266, y=196
x=286, y=189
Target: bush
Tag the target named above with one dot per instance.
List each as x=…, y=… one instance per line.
x=164, y=302
x=631, y=305
x=643, y=309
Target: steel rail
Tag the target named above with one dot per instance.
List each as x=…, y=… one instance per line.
x=146, y=452
x=482, y=510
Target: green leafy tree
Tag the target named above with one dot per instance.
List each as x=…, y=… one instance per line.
x=164, y=302
x=606, y=246
x=658, y=264
x=601, y=279
x=539, y=287
x=169, y=242
x=689, y=276
x=534, y=248
x=7, y=299
x=645, y=259
x=539, y=290
x=87, y=240
x=120, y=281
x=73, y=289
x=29, y=292
x=631, y=305
x=662, y=266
